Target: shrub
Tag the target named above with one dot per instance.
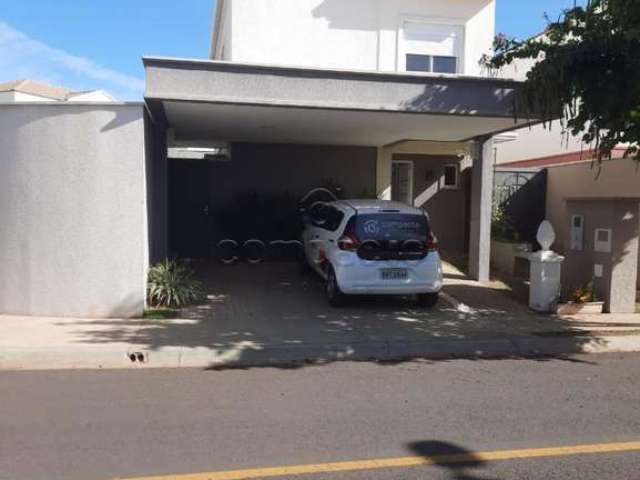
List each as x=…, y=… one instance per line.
x=584, y=294
x=502, y=228
x=171, y=284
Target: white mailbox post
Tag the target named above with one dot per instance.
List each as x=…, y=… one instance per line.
x=545, y=270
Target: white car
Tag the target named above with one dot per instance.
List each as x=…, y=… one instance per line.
x=375, y=247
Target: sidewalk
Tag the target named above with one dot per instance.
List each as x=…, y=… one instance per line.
x=49, y=343
x=283, y=319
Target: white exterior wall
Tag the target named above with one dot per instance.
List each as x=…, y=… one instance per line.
x=226, y=43
x=477, y=17
x=353, y=34
x=13, y=96
x=27, y=97
x=518, y=69
x=92, y=96
x=73, y=225
x=538, y=141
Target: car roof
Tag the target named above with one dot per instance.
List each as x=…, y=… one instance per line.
x=373, y=205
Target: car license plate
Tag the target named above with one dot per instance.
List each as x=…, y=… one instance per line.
x=394, y=274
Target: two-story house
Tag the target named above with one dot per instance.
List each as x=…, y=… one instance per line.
x=380, y=97
x=370, y=35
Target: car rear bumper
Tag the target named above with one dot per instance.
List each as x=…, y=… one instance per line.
x=364, y=277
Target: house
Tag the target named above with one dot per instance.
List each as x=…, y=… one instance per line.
x=381, y=97
x=34, y=91
x=587, y=203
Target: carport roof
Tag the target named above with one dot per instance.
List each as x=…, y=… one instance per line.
x=226, y=101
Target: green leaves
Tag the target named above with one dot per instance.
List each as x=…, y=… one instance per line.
x=587, y=73
x=171, y=284
x=501, y=226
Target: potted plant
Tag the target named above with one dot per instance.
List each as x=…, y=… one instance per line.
x=582, y=300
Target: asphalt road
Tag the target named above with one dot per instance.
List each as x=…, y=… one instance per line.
x=106, y=424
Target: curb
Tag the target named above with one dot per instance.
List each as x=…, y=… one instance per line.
x=302, y=354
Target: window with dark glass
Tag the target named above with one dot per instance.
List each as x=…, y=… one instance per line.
x=450, y=175
x=602, y=235
x=334, y=219
x=444, y=64
x=429, y=63
x=418, y=63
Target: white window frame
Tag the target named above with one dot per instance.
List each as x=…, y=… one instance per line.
x=602, y=246
x=401, y=52
x=443, y=186
x=576, y=243
x=431, y=63
x=410, y=163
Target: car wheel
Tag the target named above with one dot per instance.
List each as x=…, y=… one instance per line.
x=428, y=300
x=334, y=294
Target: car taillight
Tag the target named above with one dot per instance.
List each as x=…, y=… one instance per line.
x=349, y=240
x=348, y=243
x=431, y=242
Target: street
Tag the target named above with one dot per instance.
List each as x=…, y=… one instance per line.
x=458, y=419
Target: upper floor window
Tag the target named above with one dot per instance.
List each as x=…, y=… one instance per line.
x=430, y=47
x=431, y=63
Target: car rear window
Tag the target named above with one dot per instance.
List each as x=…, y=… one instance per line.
x=391, y=226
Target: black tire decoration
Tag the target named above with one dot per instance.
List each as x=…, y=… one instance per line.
x=254, y=251
x=227, y=251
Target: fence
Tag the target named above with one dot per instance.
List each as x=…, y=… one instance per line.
x=522, y=195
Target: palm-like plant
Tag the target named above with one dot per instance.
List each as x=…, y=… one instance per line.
x=171, y=284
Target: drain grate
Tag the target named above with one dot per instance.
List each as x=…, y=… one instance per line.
x=138, y=357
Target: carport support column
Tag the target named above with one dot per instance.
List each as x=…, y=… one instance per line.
x=481, y=204
x=383, y=173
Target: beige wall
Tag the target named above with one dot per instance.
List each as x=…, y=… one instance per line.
x=618, y=178
x=274, y=168
x=617, y=284
x=447, y=209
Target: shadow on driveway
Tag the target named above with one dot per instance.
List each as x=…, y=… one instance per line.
x=254, y=308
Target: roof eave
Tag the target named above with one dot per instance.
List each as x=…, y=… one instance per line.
x=209, y=64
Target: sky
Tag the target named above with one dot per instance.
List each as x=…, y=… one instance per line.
x=98, y=44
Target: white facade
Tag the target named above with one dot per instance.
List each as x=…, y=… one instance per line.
x=538, y=141
x=449, y=37
x=91, y=96
x=12, y=96
x=96, y=96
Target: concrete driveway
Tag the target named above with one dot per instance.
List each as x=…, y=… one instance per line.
x=273, y=314
x=273, y=305
x=277, y=303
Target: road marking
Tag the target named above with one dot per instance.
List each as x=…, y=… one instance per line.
x=381, y=463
